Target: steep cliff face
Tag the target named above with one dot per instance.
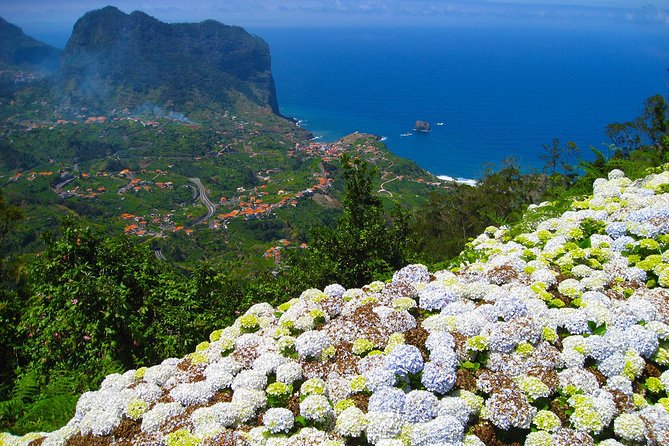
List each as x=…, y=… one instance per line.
x=21, y=51
x=559, y=335
x=115, y=59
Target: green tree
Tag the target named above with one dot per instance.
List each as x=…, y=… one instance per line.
x=452, y=217
x=9, y=215
x=655, y=119
x=88, y=301
x=625, y=136
x=10, y=307
x=365, y=244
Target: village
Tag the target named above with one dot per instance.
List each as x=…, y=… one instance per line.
x=272, y=192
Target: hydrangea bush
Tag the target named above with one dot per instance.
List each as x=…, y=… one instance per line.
x=558, y=336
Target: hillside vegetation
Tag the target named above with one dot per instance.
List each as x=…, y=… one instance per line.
x=551, y=331
x=133, y=229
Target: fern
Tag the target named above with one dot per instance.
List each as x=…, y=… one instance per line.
x=26, y=390
x=10, y=410
x=46, y=415
x=26, y=387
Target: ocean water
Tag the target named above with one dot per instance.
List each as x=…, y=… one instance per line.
x=500, y=91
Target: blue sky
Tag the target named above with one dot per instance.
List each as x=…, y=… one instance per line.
x=39, y=16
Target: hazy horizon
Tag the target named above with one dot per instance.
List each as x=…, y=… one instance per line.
x=50, y=20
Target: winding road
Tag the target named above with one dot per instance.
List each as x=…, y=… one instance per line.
x=202, y=195
x=384, y=184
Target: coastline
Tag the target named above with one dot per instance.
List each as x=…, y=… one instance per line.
x=467, y=181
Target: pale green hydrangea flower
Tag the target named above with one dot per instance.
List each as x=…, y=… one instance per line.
x=249, y=323
x=639, y=401
x=182, y=437
x=478, y=343
x=313, y=386
x=358, y=384
x=539, y=438
x=546, y=420
x=533, y=387
x=362, y=346
x=136, y=408
x=376, y=286
x=524, y=349
x=630, y=427
x=634, y=365
x=342, y=405
x=403, y=304
x=394, y=340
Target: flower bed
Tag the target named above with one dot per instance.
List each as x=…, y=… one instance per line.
x=559, y=336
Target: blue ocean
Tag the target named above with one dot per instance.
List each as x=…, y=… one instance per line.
x=500, y=91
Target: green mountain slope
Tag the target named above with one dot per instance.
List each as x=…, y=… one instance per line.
x=20, y=50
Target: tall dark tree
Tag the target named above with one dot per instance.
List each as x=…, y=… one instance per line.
x=655, y=119
x=365, y=244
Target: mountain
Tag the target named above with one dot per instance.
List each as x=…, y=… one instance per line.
x=18, y=50
x=118, y=60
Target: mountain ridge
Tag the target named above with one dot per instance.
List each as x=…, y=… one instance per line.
x=116, y=61
x=17, y=49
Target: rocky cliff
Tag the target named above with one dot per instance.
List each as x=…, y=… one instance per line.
x=116, y=60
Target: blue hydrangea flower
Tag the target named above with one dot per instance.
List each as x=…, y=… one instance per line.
x=404, y=359
x=412, y=273
x=621, y=243
x=435, y=297
x=616, y=230
x=509, y=308
x=439, y=339
x=642, y=340
x=612, y=365
x=438, y=377
x=379, y=377
x=420, y=406
x=334, y=290
x=440, y=431
x=388, y=399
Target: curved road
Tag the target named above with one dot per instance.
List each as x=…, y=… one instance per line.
x=204, y=199
x=383, y=186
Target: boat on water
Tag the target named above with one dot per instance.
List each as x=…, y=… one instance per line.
x=383, y=138
x=440, y=123
x=406, y=134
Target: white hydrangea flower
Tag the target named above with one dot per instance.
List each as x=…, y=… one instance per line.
x=351, y=422
x=206, y=422
x=268, y=362
x=316, y=407
x=59, y=437
x=248, y=402
x=160, y=374
x=311, y=344
x=154, y=417
x=278, y=420
x=289, y=372
x=250, y=379
x=629, y=427
x=382, y=425
x=455, y=407
x=193, y=393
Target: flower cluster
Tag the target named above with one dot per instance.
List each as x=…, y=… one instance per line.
x=574, y=312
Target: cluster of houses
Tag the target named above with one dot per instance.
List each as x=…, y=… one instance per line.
x=141, y=226
x=274, y=252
